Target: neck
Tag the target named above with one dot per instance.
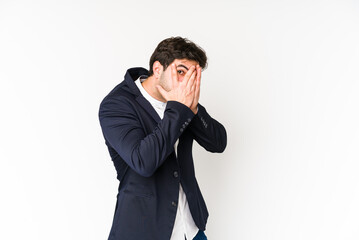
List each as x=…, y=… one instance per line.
x=150, y=86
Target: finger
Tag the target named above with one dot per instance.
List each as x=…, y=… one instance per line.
x=198, y=81
x=190, y=82
x=163, y=92
x=199, y=73
x=174, y=75
x=188, y=75
x=196, y=93
x=193, y=88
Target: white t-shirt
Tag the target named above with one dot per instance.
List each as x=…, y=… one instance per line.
x=184, y=224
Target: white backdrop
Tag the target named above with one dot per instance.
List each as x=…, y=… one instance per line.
x=283, y=78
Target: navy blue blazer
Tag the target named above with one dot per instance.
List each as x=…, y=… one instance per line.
x=141, y=146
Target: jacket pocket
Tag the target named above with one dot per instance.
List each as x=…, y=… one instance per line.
x=138, y=189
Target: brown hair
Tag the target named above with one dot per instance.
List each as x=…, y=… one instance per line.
x=177, y=48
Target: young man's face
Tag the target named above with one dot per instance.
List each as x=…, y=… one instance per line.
x=182, y=66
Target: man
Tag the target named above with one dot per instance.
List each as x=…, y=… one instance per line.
x=149, y=122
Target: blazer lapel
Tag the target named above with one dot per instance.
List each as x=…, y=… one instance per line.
x=131, y=75
x=148, y=107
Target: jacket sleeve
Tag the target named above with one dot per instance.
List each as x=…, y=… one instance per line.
x=122, y=129
x=208, y=132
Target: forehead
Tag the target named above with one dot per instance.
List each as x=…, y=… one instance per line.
x=185, y=62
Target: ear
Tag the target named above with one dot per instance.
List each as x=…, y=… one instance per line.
x=157, y=69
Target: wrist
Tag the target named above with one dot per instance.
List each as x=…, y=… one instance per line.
x=195, y=110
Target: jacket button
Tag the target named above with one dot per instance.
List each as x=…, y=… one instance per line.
x=175, y=174
x=174, y=204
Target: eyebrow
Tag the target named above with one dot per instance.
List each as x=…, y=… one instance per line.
x=181, y=65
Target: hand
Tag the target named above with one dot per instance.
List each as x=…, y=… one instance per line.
x=183, y=91
x=197, y=90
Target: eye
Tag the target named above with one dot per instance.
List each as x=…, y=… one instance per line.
x=180, y=72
